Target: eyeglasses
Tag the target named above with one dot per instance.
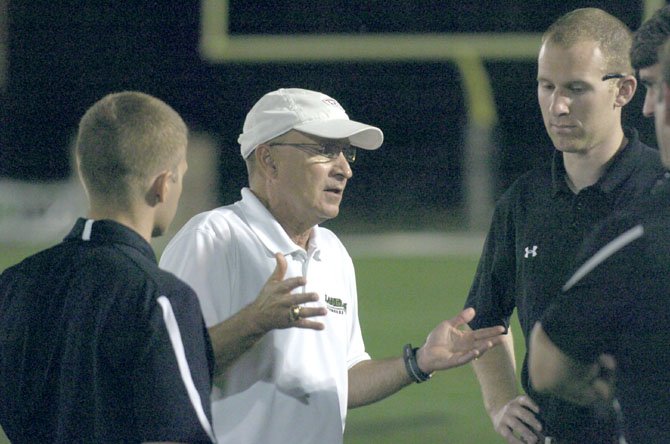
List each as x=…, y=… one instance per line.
x=329, y=150
x=613, y=76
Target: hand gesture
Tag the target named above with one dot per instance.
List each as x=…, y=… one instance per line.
x=604, y=383
x=276, y=307
x=448, y=346
x=516, y=421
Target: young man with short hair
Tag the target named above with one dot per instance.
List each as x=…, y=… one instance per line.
x=605, y=340
x=584, y=80
x=97, y=344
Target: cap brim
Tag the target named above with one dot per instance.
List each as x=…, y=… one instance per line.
x=359, y=134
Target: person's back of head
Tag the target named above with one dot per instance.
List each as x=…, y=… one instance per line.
x=124, y=140
x=594, y=25
x=662, y=103
x=649, y=38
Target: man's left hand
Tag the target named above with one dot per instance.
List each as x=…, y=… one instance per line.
x=449, y=346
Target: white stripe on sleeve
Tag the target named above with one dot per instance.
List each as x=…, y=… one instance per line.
x=88, y=227
x=608, y=250
x=184, y=370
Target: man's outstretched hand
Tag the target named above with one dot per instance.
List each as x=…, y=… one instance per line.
x=449, y=346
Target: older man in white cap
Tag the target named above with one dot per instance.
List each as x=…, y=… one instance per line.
x=281, y=379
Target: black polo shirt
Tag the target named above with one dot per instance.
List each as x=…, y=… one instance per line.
x=618, y=302
x=99, y=345
x=529, y=253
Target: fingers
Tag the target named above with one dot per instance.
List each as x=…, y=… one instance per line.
x=308, y=312
x=604, y=377
x=482, y=347
x=287, y=285
x=487, y=338
x=463, y=317
x=280, y=268
x=278, y=306
x=464, y=358
x=301, y=298
x=489, y=332
x=529, y=404
x=309, y=325
x=517, y=420
x=607, y=362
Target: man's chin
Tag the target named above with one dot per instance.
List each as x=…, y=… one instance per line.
x=565, y=146
x=329, y=214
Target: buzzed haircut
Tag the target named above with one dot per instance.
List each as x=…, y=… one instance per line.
x=124, y=139
x=649, y=38
x=594, y=25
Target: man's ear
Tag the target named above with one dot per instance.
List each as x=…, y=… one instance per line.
x=159, y=189
x=627, y=87
x=265, y=160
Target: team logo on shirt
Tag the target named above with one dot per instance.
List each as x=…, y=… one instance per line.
x=530, y=252
x=336, y=305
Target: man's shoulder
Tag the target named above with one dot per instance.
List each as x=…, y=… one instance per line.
x=632, y=227
x=89, y=266
x=222, y=214
x=139, y=272
x=328, y=239
x=539, y=175
x=649, y=160
x=224, y=218
x=42, y=264
x=168, y=284
x=327, y=234
x=534, y=184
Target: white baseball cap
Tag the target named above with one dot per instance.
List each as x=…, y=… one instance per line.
x=307, y=111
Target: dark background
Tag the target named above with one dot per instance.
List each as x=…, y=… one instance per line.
x=66, y=54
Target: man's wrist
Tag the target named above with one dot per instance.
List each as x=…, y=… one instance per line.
x=412, y=366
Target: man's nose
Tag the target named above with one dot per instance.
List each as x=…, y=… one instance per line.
x=560, y=104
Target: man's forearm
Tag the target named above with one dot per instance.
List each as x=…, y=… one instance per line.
x=234, y=336
x=553, y=371
x=374, y=380
x=496, y=372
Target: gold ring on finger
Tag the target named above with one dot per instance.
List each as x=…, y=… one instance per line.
x=294, y=314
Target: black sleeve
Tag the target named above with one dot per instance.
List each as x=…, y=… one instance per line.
x=493, y=288
x=172, y=377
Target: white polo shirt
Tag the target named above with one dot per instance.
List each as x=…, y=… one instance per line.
x=292, y=385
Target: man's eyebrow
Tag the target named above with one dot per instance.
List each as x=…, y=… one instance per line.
x=613, y=76
x=567, y=82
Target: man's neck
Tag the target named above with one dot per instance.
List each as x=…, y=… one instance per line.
x=297, y=230
x=142, y=225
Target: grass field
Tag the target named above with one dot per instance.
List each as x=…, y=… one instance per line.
x=401, y=300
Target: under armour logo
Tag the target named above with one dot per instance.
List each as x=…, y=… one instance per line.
x=530, y=252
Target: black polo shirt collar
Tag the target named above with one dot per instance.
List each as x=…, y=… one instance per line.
x=622, y=166
x=108, y=231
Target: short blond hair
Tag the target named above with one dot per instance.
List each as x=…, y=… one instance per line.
x=614, y=38
x=125, y=139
